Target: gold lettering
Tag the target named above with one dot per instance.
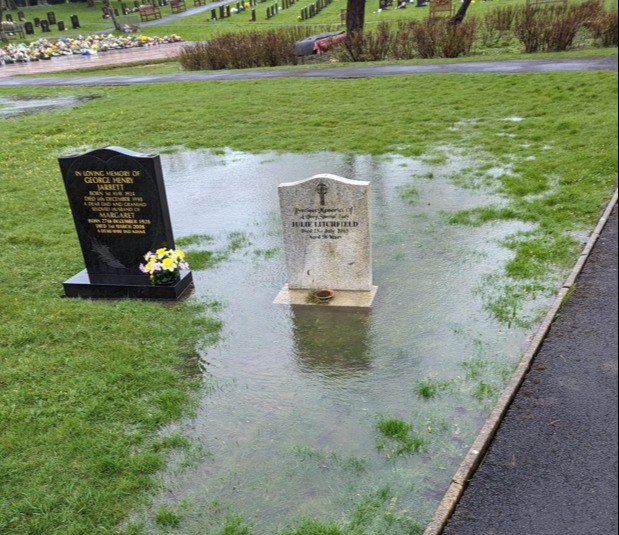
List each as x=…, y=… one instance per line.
x=110, y=187
x=96, y=180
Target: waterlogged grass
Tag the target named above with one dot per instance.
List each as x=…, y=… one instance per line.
x=87, y=384
x=482, y=379
x=399, y=437
x=208, y=258
x=429, y=388
x=167, y=518
x=380, y=512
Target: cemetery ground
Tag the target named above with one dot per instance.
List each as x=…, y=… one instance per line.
x=87, y=384
x=196, y=25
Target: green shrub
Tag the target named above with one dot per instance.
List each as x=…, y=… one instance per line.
x=604, y=27
x=244, y=50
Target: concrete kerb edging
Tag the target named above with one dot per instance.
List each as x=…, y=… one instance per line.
x=477, y=450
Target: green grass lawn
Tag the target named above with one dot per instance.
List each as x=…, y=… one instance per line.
x=85, y=385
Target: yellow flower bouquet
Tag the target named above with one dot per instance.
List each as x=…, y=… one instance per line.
x=164, y=265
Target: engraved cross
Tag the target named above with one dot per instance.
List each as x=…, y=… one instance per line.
x=322, y=189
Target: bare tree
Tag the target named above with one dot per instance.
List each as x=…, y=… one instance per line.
x=6, y=4
x=459, y=16
x=355, y=16
x=112, y=14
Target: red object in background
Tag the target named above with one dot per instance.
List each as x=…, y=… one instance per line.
x=321, y=46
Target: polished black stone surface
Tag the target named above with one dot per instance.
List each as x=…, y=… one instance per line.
x=119, y=206
x=126, y=287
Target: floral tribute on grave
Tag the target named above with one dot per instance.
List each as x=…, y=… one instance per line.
x=45, y=49
x=164, y=266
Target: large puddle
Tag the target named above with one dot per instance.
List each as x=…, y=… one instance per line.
x=287, y=424
x=12, y=106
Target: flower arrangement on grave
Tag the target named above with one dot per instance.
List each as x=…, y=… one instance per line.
x=164, y=265
x=91, y=44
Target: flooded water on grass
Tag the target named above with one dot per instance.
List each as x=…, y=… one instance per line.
x=287, y=423
x=14, y=106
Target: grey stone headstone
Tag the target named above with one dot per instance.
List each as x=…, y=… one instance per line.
x=327, y=241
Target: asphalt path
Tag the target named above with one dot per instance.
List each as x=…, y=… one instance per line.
x=591, y=63
x=551, y=468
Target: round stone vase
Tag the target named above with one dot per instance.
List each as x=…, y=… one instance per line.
x=323, y=295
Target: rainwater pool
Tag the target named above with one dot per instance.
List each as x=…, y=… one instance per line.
x=293, y=397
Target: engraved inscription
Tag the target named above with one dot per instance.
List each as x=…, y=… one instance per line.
x=114, y=204
x=324, y=223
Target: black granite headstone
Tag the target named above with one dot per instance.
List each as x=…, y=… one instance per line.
x=51, y=17
x=44, y=25
x=28, y=28
x=119, y=206
x=61, y=26
x=75, y=21
x=37, y=21
x=9, y=17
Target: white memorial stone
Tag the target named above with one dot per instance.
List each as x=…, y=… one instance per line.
x=327, y=240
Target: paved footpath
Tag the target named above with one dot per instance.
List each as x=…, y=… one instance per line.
x=8, y=72
x=551, y=468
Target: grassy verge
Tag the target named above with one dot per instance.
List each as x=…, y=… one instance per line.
x=85, y=385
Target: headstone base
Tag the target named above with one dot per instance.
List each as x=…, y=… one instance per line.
x=122, y=287
x=342, y=298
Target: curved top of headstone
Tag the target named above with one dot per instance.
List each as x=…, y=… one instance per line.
x=327, y=176
x=111, y=151
x=326, y=224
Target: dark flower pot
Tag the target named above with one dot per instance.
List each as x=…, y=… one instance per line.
x=323, y=295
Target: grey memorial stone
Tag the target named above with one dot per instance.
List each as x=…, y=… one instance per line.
x=327, y=239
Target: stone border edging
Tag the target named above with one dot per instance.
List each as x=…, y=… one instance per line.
x=480, y=445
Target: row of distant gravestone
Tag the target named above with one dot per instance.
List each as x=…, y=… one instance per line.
x=225, y=11
x=44, y=24
x=119, y=206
